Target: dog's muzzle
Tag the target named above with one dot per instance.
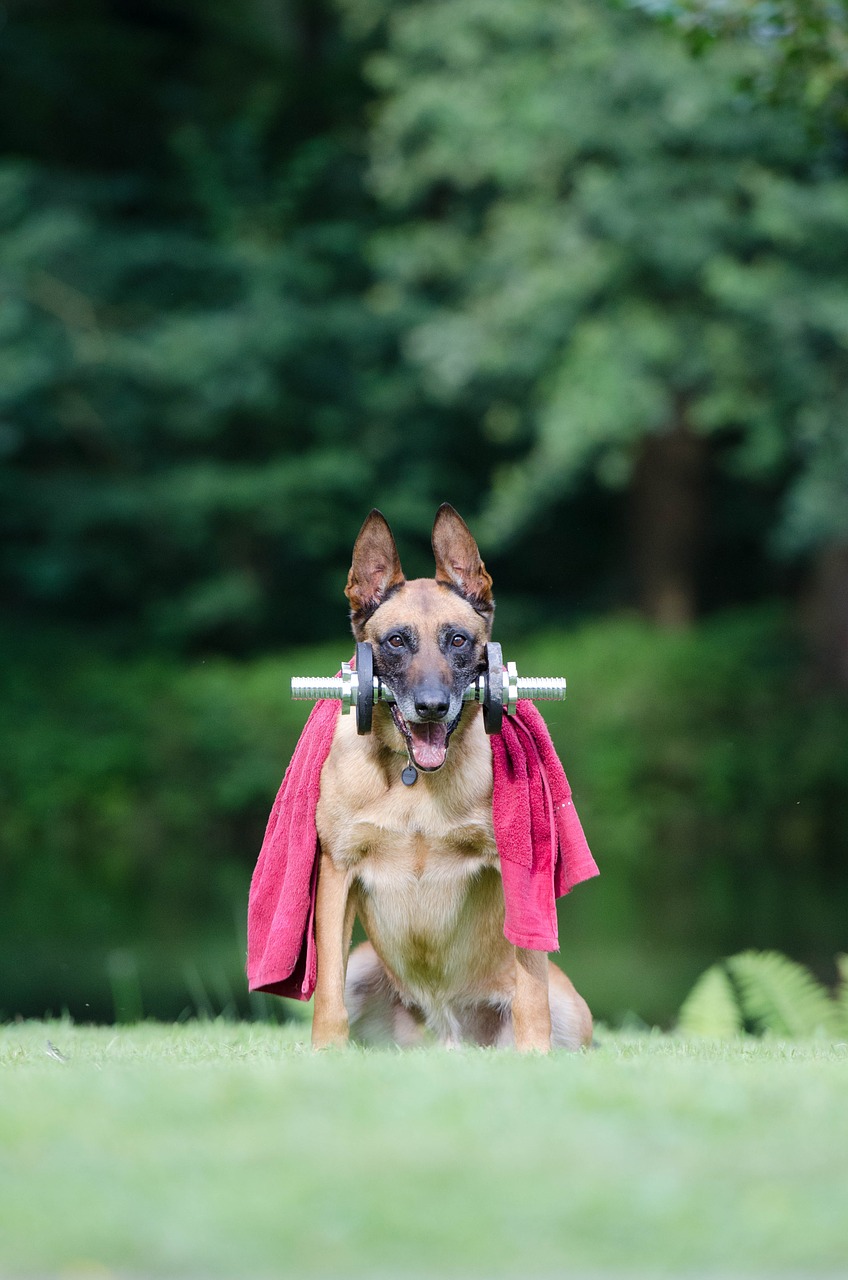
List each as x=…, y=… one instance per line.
x=426, y=740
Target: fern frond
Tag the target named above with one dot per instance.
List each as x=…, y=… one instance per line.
x=780, y=996
x=711, y=1007
x=840, y=998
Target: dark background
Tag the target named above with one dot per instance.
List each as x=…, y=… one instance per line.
x=581, y=271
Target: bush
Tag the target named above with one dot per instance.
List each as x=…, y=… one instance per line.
x=713, y=786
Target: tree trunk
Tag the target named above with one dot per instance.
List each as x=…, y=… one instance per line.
x=825, y=616
x=666, y=522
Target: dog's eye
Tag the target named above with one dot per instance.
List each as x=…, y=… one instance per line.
x=395, y=641
x=458, y=641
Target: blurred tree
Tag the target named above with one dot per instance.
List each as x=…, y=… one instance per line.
x=195, y=391
x=587, y=267
x=804, y=43
x=623, y=265
x=804, y=63
x=176, y=414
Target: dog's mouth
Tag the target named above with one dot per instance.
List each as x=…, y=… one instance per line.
x=426, y=742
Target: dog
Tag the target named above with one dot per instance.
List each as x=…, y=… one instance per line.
x=418, y=863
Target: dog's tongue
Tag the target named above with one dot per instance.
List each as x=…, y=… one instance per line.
x=429, y=744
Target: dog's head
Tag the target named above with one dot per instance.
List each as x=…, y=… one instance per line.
x=428, y=635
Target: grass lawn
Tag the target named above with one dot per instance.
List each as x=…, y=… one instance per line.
x=226, y=1149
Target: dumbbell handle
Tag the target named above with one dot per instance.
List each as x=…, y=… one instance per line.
x=346, y=688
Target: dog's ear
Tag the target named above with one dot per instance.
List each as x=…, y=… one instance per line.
x=375, y=570
x=458, y=563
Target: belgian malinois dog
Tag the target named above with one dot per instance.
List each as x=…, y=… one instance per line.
x=418, y=863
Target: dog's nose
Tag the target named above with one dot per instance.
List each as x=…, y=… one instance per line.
x=431, y=704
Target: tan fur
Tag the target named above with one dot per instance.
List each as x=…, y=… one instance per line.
x=419, y=866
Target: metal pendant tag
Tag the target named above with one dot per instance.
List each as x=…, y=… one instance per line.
x=409, y=777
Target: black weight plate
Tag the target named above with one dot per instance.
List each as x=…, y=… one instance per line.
x=365, y=697
x=493, y=700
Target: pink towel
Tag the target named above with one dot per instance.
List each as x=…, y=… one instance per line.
x=542, y=848
x=281, y=909
x=541, y=844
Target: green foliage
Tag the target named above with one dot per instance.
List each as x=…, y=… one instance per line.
x=244, y=296
x=806, y=44
x=278, y=294
x=781, y=996
x=598, y=237
x=711, y=783
x=137, y=791
x=160, y=386
x=712, y=788
x=765, y=992
x=187, y=352
x=841, y=994
x=711, y=1008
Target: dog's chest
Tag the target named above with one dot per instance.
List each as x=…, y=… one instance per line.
x=422, y=860
x=423, y=841
x=430, y=897
x=378, y=829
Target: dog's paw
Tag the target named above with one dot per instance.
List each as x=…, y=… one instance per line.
x=541, y=1046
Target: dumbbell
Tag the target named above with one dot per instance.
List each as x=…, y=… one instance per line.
x=497, y=688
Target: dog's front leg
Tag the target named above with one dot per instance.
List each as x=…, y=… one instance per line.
x=531, y=1009
x=333, y=924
